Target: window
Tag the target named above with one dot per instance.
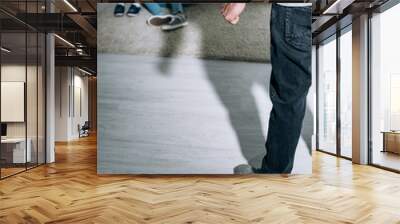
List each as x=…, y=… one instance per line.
x=327, y=96
x=385, y=89
x=346, y=75
x=22, y=78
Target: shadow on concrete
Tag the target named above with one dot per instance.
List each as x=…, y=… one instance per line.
x=169, y=48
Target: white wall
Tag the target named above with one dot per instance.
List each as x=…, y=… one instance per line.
x=70, y=82
x=17, y=73
x=14, y=73
x=79, y=117
x=61, y=103
x=33, y=126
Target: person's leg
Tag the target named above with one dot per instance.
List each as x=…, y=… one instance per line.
x=158, y=17
x=178, y=18
x=290, y=81
x=154, y=8
x=176, y=8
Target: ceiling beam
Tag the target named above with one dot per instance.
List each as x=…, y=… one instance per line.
x=86, y=27
x=79, y=61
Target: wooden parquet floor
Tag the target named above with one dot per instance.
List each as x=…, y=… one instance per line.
x=70, y=191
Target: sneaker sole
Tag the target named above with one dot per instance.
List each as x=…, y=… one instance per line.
x=118, y=14
x=169, y=27
x=132, y=14
x=158, y=21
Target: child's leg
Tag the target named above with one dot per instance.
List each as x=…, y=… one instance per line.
x=154, y=8
x=176, y=8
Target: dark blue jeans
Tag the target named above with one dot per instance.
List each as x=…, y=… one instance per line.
x=290, y=81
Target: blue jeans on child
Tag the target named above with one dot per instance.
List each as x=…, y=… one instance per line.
x=157, y=8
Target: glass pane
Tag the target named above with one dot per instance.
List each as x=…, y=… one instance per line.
x=31, y=100
x=346, y=94
x=386, y=89
x=327, y=97
x=13, y=87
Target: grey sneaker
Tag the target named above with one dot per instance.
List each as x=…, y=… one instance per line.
x=247, y=169
x=243, y=169
x=177, y=22
x=159, y=20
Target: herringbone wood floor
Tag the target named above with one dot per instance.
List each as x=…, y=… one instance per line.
x=70, y=191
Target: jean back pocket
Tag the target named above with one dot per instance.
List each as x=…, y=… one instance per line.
x=298, y=27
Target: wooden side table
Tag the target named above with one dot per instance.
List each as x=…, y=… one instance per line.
x=391, y=141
